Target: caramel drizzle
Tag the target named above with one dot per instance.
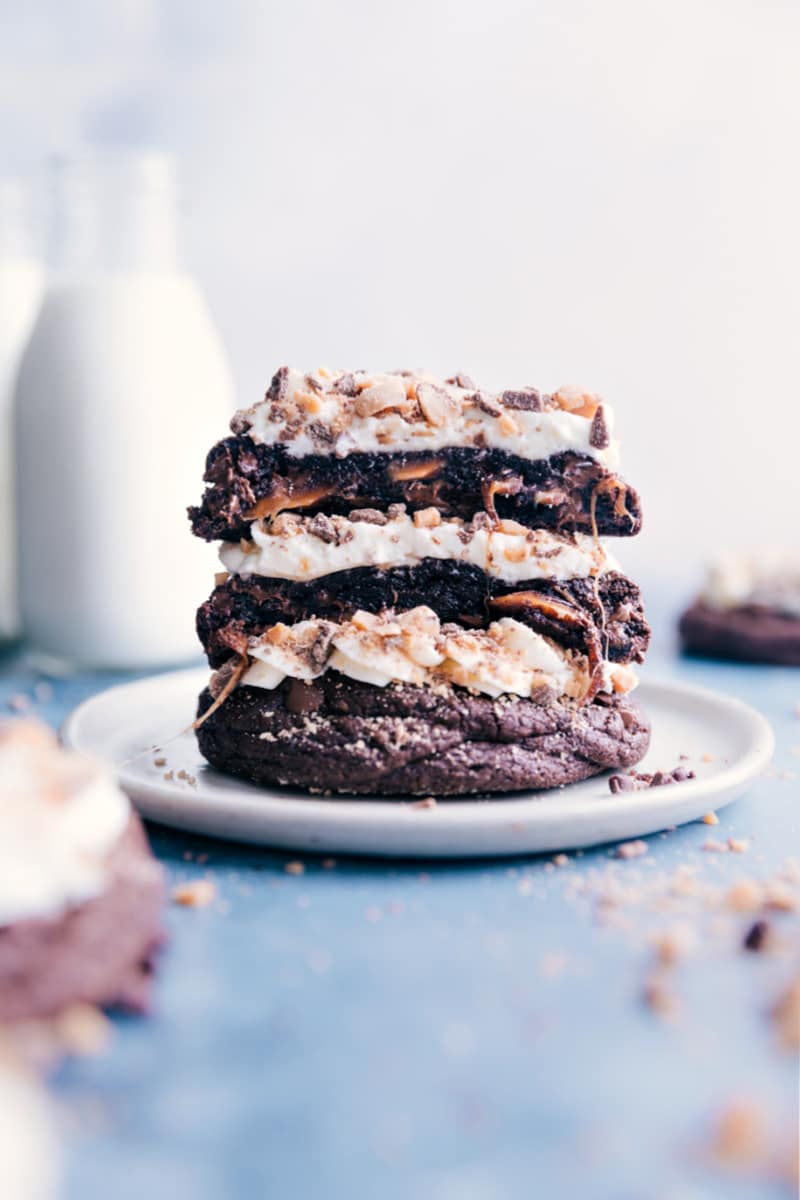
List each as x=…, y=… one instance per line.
x=533, y=602
x=230, y=686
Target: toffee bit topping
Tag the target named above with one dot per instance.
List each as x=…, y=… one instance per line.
x=323, y=528
x=279, y=385
x=346, y=385
x=486, y=404
x=437, y=405
x=527, y=400
x=370, y=516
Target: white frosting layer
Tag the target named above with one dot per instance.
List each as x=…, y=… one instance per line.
x=404, y=412
x=289, y=549
x=413, y=647
x=60, y=816
x=769, y=577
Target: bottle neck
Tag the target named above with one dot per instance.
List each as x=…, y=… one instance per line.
x=114, y=213
x=18, y=226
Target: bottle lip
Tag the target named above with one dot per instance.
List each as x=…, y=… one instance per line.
x=20, y=219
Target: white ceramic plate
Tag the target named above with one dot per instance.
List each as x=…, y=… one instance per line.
x=726, y=742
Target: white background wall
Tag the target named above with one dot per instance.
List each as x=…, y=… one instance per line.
x=542, y=192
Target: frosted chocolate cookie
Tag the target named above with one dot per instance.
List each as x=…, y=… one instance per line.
x=332, y=441
x=80, y=893
x=468, y=572
x=749, y=609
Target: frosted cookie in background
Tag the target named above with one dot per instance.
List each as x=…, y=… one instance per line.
x=80, y=892
x=748, y=609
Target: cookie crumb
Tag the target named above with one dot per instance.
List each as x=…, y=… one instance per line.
x=633, y=849
x=560, y=860
x=778, y=896
x=711, y=818
x=83, y=1030
x=674, y=944
x=294, y=868
x=428, y=802
x=738, y=845
x=744, y=896
x=659, y=999
x=739, y=1134
x=708, y=758
x=552, y=964
x=786, y=1017
x=713, y=846
x=196, y=893
x=328, y=864
x=159, y=762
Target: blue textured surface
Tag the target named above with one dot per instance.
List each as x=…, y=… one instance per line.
x=467, y=1032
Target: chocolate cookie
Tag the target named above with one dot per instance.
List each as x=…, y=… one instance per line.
x=248, y=480
x=99, y=952
x=748, y=634
x=608, y=608
x=340, y=735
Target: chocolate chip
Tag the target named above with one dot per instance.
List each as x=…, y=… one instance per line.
x=394, y=511
x=756, y=936
x=682, y=773
x=658, y=779
x=621, y=783
x=303, y=697
x=529, y=400
x=323, y=528
x=370, y=516
x=598, y=435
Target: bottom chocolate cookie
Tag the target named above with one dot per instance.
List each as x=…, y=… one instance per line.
x=340, y=735
x=748, y=634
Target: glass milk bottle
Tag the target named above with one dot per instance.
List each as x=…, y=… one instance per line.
x=20, y=294
x=122, y=389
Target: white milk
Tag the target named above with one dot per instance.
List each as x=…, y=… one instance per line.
x=122, y=390
x=20, y=293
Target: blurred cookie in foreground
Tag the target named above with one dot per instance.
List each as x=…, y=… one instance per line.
x=29, y=1146
x=80, y=892
x=748, y=610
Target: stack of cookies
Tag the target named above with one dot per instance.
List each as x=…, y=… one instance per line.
x=416, y=599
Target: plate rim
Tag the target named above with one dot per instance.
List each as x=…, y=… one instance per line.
x=465, y=815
